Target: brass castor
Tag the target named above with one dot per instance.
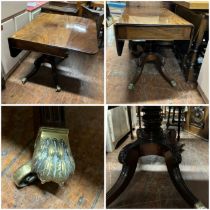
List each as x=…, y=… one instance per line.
x=24, y=80
x=173, y=83
x=131, y=86
x=58, y=88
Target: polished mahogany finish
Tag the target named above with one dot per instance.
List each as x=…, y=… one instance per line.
x=55, y=34
x=195, y=5
x=153, y=140
x=57, y=9
x=150, y=23
x=151, y=16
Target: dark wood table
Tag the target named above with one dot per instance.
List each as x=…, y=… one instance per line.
x=153, y=140
x=54, y=35
x=60, y=8
x=150, y=24
x=195, y=5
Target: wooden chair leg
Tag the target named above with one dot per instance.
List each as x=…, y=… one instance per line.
x=179, y=183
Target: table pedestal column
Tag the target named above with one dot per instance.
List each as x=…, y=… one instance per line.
x=38, y=62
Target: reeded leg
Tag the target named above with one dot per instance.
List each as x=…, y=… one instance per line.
x=176, y=177
x=129, y=158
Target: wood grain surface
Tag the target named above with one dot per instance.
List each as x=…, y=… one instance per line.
x=197, y=5
x=151, y=16
x=54, y=31
x=150, y=23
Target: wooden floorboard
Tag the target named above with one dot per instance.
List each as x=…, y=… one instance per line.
x=84, y=189
x=151, y=186
x=80, y=77
x=151, y=87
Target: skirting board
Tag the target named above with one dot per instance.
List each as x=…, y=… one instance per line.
x=202, y=94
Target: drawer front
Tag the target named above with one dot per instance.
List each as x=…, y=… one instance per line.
x=153, y=33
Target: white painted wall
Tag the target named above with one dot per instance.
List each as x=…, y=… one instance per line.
x=203, y=78
x=9, y=8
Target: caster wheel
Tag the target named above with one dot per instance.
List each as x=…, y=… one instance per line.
x=131, y=86
x=173, y=83
x=24, y=80
x=163, y=61
x=58, y=88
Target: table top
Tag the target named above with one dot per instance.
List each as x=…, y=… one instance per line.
x=150, y=16
x=60, y=31
x=197, y=5
x=63, y=9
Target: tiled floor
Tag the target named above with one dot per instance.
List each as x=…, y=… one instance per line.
x=83, y=190
x=82, y=83
x=151, y=186
x=151, y=88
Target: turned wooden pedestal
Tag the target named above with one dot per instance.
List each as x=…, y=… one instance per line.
x=152, y=140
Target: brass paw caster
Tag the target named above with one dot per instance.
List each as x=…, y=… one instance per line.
x=24, y=175
x=24, y=80
x=58, y=88
x=200, y=205
x=52, y=160
x=173, y=83
x=131, y=86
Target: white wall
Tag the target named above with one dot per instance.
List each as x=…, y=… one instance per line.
x=9, y=8
x=203, y=78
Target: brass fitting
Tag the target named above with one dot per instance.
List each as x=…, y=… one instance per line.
x=52, y=159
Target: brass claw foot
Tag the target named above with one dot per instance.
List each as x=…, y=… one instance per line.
x=58, y=88
x=173, y=83
x=24, y=80
x=52, y=160
x=131, y=86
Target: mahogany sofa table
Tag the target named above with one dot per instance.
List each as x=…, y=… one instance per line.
x=150, y=24
x=54, y=35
